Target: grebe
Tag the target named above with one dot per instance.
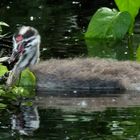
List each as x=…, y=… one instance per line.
x=70, y=74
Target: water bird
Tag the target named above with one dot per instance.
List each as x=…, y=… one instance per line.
x=69, y=74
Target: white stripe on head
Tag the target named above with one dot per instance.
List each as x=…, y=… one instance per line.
x=24, y=29
x=35, y=40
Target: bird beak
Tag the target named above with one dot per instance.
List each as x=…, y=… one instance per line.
x=16, y=53
x=14, y=57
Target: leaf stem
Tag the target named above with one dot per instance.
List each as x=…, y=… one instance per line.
x=130, y=47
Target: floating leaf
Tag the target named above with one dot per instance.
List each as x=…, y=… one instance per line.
x=107, y=24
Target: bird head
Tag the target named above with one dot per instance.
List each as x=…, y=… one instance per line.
x=26, y=43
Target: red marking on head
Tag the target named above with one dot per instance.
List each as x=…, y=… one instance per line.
x=19, y=38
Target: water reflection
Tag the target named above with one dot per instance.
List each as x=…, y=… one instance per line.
x=26, y=121
x=107, y=116
x=19, y=120
x=88, y=102
x=104, y=117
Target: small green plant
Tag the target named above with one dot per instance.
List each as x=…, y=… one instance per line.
x=24, y=88
x=25, y=85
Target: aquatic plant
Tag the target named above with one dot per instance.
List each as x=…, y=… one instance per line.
x=2, y=24
x=23, y=89
x=132, y=7
x=111, y=26
x=108, y=24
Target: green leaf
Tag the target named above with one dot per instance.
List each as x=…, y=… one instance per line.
x=3, y=24
x=21, y=92
x=27, y=79
x=27, y=103
x=131, y=6
x=0, y=30
x=138, y=53
x=2, y=92
x=25, y=87
x=107, y=24
x=2, y=106
x=128, y=123
x=3, y=69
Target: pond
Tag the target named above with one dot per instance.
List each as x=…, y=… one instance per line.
x=69, y=116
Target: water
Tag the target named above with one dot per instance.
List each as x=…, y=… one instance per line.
x=62, y=25
x=59, y=116
x=108, y=116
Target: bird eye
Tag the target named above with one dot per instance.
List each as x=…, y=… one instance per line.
x=26, y=44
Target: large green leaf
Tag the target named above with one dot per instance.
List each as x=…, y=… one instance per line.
x=107, y=23
x=132, y=6
x=27, y=79
x=3, y=24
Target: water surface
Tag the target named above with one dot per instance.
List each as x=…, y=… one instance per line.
x=108, y=116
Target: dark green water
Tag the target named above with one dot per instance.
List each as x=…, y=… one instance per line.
x=104, y=117
x=62, y=24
